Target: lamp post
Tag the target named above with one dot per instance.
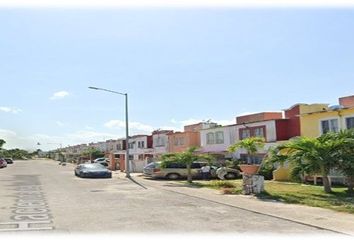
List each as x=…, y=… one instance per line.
x=127, y=165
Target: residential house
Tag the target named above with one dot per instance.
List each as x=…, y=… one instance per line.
x=140, y=152
x=271, y=126
x=217, y=139
x=160, y=142
x=329, y=118
x=190, y=137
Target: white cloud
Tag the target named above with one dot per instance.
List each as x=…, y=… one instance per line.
x=132, y=126
x=10, y=110
x=6, y=133
x=59, y=123
x=59, y=95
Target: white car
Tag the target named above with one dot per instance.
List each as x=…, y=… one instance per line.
x=103, y=161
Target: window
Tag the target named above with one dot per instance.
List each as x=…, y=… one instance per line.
x=330, y=125
x=179, y=141
x=349, y=122
x=131, y=145
x=176, y=141
x=175, y=165
x=259, y=132
x=219, y=137
x=160, y=142
x=245, y=133
x=210, y=138
x=141, y=144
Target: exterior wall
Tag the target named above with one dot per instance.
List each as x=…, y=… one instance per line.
x=199, y=126
x=293, y=116
x=284, y=129
x=312, y=108
x=229, y=139
x=191, y=139
x=310, y=123
x=347, y=101
x=270, y=131
x=140, y=154
x=160, y=142
x=259, y=117
x=281, y=174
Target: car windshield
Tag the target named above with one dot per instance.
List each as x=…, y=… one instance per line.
x=93, y=166
x=151, y=165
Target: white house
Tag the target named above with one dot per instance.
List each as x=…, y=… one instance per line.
x=216, y=140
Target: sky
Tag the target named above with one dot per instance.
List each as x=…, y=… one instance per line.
x=178, y=65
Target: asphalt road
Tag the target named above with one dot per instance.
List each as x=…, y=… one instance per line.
x=40, y=195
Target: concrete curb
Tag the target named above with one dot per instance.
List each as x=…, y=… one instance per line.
x=311, y=216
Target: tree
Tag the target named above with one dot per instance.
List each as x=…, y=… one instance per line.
x=2, y=142
x=251, y=145
x=186, y=157
x=346, y=159
x=92, y=153
x=313, y=155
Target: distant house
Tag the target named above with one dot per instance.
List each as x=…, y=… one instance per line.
x=217, y=139
x=190, y=137
x=160, y=142
x=140, y=151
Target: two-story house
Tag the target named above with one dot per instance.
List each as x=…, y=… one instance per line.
x=140, y=151
x=160, y=142
x=329, y=118
x=217, y=139
x=271, y=126
x=190, y=137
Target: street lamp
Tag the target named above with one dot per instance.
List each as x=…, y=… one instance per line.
x=127, y=171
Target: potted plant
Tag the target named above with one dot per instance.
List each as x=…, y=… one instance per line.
x=251, y=145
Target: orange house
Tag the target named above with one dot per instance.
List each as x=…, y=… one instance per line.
x=181, y=141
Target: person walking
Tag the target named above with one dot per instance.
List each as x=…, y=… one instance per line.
x=221, y=172
x=205, y=170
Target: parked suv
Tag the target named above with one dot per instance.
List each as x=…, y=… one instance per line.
x=3, y=163
x=175, y=171
x=9, y=160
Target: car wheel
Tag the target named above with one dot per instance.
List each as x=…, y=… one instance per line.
x=173, y=176
x=230, y=175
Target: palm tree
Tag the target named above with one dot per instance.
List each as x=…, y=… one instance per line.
x=186, y=157
x=346, y=160
x=251, y=145
x=313, y=155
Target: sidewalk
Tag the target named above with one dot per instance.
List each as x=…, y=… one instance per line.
x=312, y=216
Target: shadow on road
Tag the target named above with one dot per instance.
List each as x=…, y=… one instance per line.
x=137, y=183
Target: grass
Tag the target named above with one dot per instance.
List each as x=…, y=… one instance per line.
x=288, y=192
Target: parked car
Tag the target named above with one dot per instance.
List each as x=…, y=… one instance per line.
x=175, y=171
x=102, y=161
x=3, y=163
x=94, y=170
x=9, y=160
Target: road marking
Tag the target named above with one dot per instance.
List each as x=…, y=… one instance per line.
x=25, y=226
x=30, y=211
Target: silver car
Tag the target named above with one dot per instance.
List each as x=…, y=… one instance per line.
x=175, y=171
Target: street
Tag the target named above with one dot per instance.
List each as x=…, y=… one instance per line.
x=40, y=195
